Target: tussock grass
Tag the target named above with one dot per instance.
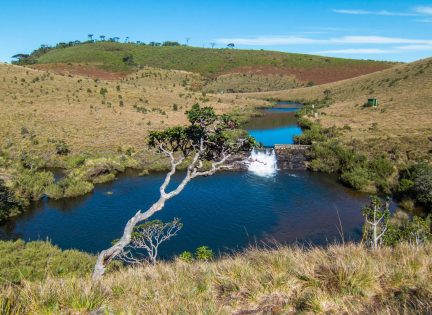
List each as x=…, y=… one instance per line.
x=340, y=279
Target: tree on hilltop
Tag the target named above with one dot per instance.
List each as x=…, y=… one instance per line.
x=206, y=144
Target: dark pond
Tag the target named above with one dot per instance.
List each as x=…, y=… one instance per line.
x=227, y=211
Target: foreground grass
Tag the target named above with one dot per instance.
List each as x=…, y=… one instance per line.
x=342, y=279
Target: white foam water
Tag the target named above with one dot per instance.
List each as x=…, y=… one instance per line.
x=263, y=162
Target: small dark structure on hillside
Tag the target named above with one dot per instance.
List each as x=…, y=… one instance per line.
x=372, y=102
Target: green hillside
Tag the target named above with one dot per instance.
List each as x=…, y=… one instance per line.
x=113, y=56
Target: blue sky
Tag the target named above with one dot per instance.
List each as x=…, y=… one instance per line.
x=375, y=29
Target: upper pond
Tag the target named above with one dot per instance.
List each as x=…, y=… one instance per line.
x=227, y=211
x=277, y=125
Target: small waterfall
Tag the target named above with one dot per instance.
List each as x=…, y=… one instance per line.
x=263, y=162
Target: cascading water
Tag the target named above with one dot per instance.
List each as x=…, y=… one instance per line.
x=263, y=162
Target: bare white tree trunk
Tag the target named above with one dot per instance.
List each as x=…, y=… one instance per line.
x=193, y=171
x=375, y=224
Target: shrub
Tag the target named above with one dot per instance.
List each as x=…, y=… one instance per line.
x=103, y=91
x=31, y=185
x=75, y=161
x=204, y=253
x=7, y=201
x=416, y=182
x=69, y=187
x=356, y=178
x=186, y=256
x=62, y=148
x=414, y=231
x=309, y=136
x=75, y=188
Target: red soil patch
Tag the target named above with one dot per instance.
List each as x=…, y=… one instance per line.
x=90, y=71
x=317, y=75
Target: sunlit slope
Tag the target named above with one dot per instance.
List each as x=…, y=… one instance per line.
x=211, y=62
x=39, y=108
x=402, y=121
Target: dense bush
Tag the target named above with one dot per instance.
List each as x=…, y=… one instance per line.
x=416, y=182
x=31, y=184
x=355, y=169
x=7, y=201
x=416, y=230
x=311, y=135
x=37, y=260
x=357, y=177
x=69, y=187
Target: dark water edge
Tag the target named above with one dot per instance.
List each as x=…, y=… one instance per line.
x=227, y=211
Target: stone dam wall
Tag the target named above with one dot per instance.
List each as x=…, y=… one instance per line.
x=292, y=156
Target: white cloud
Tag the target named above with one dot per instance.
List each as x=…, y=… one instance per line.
x=393, y=50
x=424, y=10
x=365, y=12
x=356, y=51
x=415, y=48
x=299, y=40
x=424, y=20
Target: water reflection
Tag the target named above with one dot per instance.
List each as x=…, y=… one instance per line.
x=276, y=126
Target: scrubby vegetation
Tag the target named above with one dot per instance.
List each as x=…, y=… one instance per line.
x=33, y=261
x=330, y=155
x=339, y=279
x=416, y=183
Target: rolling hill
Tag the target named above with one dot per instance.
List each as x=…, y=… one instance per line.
x=401, y=125
x=96, y=115
x=113, y=60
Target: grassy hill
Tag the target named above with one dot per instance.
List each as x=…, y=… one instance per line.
x=401, y=124
x=340, y=279
x=96, y=115
x=210, y=63
x=92, y=128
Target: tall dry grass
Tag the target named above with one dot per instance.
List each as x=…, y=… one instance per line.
x=341, y=279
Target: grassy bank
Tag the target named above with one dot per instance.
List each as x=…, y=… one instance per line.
x=291, y=280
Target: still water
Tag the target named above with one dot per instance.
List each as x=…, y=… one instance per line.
x=227, y=211
x=276, y=125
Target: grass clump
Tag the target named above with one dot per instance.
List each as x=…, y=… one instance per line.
x=284, y=280
x=37, y=260
x=30, y=184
